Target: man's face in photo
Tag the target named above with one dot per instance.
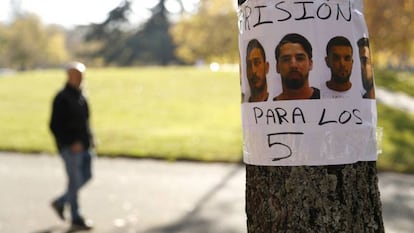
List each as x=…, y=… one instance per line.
x=366, y=68
x=293, y=65
x=257, y=69
x=340, y=62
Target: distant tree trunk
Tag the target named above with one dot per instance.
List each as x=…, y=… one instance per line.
x=317, y=199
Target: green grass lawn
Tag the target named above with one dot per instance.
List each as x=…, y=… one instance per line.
x=397, y=142
x=402, y=81
x=171, y=113
x=168, y=113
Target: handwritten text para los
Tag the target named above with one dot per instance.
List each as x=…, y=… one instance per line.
x=281, y=149
x=281, y=116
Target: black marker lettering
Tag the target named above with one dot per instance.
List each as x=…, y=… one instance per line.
x=341, y=13
x=346, y=119
x=328, y=11
x=281, y=114
x=258, y=113
x=297, y=112
x=304, y=16
x=322, y=122
x=271, y=144
x=247, y=13
x=289, y=15
x=270, y=115
x=295, y=10
x=259, y=22
x=356, y=112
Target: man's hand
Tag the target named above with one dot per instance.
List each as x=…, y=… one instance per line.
x=76, y=147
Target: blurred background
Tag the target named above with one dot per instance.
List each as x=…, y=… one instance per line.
x=43, y=34
x=163, y=79
x=152, y=64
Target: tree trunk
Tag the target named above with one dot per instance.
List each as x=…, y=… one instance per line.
x=317, y=199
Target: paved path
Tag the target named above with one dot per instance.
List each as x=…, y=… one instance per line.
x=148, y=196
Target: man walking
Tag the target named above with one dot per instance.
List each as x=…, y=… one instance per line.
x=70, y=126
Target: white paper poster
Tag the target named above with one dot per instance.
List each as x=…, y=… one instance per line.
x=308, y=95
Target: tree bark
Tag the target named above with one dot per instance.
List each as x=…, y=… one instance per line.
x=317, y=199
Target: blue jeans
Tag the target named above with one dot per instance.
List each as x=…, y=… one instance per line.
x=78, y=168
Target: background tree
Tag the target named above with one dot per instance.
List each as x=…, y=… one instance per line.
x=122, y=44
x=210, y=34
x=80, y=49
x=111, y=35
x=56, y=51
x=394, y=35
x=26, y=43
x=153, y=43
x=335, y=198
x=207, y=33
x=4, y=46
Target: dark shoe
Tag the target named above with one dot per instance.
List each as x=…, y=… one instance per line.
x=80, y=225
x=58, y=209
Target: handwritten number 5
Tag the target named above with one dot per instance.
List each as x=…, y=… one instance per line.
x=271, y=144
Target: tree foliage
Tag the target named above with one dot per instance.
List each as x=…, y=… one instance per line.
x=56, y=51
x=157, y=42
x=110, y=36
x=394, y=29
x=4, y=45
x=153, y=42
x=123, y=45
x=389, y=25
x=210, y=34
x=26, y=43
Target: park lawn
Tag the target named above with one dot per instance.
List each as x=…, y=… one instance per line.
x=168, y=113
x=397, y=141
x=401, y=81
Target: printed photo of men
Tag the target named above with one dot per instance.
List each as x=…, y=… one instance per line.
x=293, y=63
x=257, y=68
x=367, y=74
x=339, y=60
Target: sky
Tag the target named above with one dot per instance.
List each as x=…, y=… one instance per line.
x=70, y=13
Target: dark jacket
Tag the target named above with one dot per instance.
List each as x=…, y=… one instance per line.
x=70, y=118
